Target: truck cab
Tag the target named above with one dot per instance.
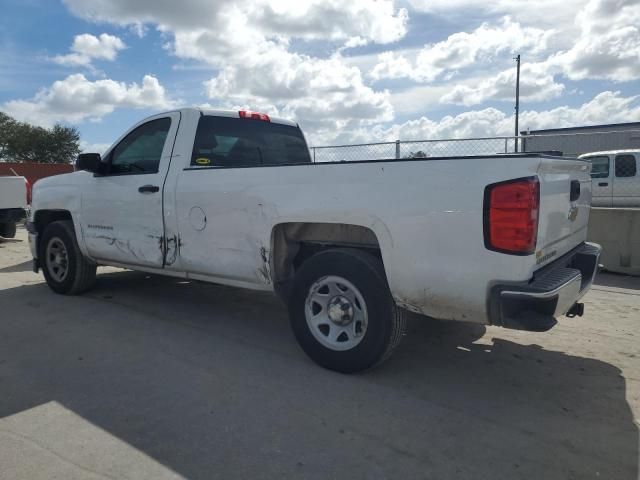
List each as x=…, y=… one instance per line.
x=615, y=176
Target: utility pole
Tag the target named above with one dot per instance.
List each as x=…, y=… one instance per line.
x=517, y=59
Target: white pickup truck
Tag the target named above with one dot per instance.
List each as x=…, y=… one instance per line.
x=233, y=198
x=615, y=178
x=13, y=202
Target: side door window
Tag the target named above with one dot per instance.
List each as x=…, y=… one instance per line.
x=600, y=166
x=625, y=166
x=140, y=151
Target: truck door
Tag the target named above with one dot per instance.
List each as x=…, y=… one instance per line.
x=601, y=181
x=122, y=209
x=626, y=182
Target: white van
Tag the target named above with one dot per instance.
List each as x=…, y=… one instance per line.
x=615, y=177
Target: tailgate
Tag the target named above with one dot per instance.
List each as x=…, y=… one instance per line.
x=563, y=220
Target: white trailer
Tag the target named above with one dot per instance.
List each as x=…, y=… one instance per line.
x=13, y=202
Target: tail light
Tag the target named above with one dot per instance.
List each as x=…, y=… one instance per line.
x=511, y=216
x=254, y=115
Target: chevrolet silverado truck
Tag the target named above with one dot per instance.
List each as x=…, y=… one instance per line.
x=233, y=198
x=13, y=202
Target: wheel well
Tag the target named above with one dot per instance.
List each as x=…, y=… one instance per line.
x=295, y=242
x=45, y=217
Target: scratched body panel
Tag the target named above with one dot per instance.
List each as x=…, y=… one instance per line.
x=218, y=224
x=430, y=246
x=119, y=222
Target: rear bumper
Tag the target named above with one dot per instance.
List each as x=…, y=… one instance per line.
x=552, y=291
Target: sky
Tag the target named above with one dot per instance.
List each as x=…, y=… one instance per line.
x=347, y=71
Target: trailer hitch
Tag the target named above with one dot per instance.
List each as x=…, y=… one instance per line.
x=576, y=310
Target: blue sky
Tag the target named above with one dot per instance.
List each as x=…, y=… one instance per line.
x=346, y=71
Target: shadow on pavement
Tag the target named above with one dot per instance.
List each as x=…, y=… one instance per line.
x=209, y=382
x=21, y=267
x=617, y=280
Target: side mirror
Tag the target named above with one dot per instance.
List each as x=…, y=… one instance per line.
x=91, y=162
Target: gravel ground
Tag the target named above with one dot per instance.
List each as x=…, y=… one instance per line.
x=152, y=377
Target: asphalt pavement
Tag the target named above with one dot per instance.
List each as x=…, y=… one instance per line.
x=147, y=377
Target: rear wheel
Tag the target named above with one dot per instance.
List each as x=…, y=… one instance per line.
x=8, y=230
x=342, y=312
x=65, y=269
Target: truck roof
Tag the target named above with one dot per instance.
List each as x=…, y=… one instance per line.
x=610, y=152
x=231, y=113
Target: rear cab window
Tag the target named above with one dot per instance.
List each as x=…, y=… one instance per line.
x=242, y=142
x=625, y=166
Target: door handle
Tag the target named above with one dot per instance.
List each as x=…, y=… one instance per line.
x=148, y=189
x=603, y=184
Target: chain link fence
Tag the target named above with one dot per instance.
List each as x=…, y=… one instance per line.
x=415, y=149
x=577, y=143
x=615, y=176
x=569, y=144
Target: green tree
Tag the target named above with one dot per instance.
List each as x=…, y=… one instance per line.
x=22, y=142
x=7, y=126
x=418, y=154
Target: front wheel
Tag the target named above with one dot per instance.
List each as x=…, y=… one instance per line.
x=342, y=312
x=65, y=269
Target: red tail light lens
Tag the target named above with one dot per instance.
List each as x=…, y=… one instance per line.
x=511, y=216
x=254, y=115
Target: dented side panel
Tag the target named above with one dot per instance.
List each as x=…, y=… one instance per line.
x=426, y=217
x=120, y=223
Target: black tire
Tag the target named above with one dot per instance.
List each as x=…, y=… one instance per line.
x=81, y=273
x=386, y=322
x=8, y=230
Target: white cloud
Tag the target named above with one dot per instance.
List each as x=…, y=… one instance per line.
x=606, y=107
x=324, y=95
x=250, y=46
x=76, y=98
x=609, y=43
x=394, y=65
x=602, y=43
x=376, y=21
x=87, y=47
x=331, y=19
x=87, y=147
x=536, y=84
x=540, y=12
x=599, y=39
x=462, y=50
x=249, y=43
